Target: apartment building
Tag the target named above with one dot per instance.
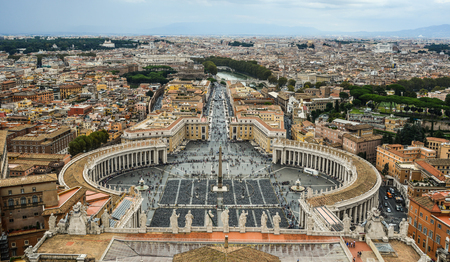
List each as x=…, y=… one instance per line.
x=54, y=140
x=23, y=201
x=395, y=153
x=35, y=96
x=172, y=128
x=260, y=123
x=429, y=223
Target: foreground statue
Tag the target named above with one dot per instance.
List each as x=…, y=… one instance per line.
x=276, y=224
x=264, y=222
x=225, y=217
x=174, y=222
x=242, y=221
x=77, y=222
x=188, y=225
x=209, y=222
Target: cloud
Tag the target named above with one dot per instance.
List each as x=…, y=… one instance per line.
x=442, y=1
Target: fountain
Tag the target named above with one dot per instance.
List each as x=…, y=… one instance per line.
x=142, y=186
x=297, y=187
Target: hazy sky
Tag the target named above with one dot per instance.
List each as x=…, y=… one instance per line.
x=138, y=16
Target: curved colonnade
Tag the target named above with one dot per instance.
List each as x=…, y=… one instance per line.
x=103, y=162
x=360, y=180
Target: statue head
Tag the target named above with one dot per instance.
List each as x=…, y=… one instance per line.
x=189, y=211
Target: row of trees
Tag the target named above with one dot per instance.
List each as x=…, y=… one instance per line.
x=210, y=67
x=250, y=68
x=83, y=144
x=36, y=44
x=153, y=74
x=236, y=43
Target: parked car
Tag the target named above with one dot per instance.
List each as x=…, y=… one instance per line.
x=385, y=204
x=385, y=198
x=388, y=210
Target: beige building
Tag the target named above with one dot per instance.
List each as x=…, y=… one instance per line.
x=260, y=123
x=23, y=201
x=172, y=128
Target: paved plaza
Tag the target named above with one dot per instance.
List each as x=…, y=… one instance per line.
x=193, y=169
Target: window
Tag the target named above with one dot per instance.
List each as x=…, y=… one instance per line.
x=22, y=190
x=13, y=244
x=415, y=223
x=26, y=243
x=432, y=221
x=11, y=220
x=438, y=239
x=425, y=231
x=35, y=199
x=11, y=202
x=23, y=201
x=439, y=226
x=430, y=234
x=9, y=192
x=24, y=217
x=420, y=227
x=36, y=214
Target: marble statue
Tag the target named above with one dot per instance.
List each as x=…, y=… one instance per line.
x=310, y=223
x=52, y=223
x=78, y=221
x=143, y=220
x=347, y=222
x=276, y=224
x=374, y=227
x=29, y=251
x=174, y=222
x=209, y=222
x=242, y=221
x=225, y=217
x=189, y=217
x=105, y=219
x=264, y=222
x=403, y=226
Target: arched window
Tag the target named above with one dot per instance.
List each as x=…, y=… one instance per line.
x=10, y=202
x=23, y=201
x=35, y=199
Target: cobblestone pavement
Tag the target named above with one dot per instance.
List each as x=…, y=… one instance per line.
x=199, y=159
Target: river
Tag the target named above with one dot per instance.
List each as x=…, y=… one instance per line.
x=232, y=76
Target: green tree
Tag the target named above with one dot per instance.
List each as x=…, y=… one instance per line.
x=356, y=102
x=329, y=107
x=290, y=88
x=272, y=79
x=149, y=93
x=345, y=85
x=319, y=84
x=385, y=171
x=223, y=83
x=292, y=82
x=423, y=91
x=307, y=84
x=343, y=95
x=282, y=81
x=439, y=134
x=447, y=99
x=210, y=67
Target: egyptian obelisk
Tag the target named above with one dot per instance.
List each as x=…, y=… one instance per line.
x=219, y=181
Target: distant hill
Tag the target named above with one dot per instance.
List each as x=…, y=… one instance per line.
x=436, y=31
x=241, y=29
x=231, y=29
